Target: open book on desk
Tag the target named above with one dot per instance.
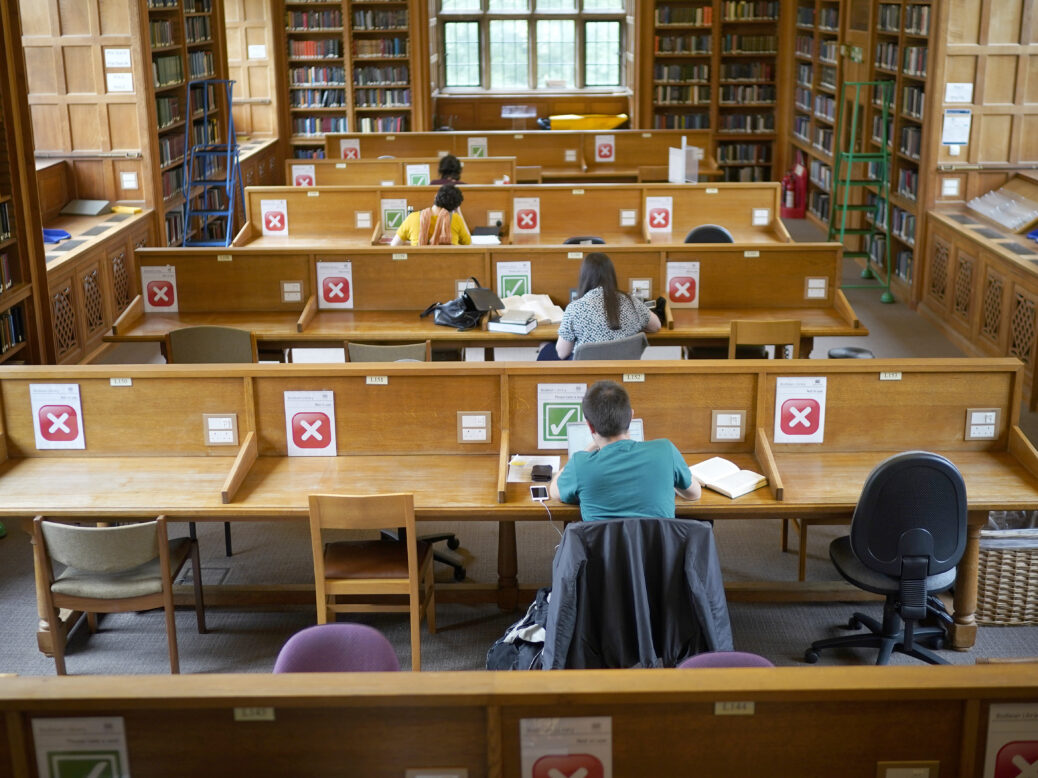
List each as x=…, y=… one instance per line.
x=540, y=305
x=725, y=477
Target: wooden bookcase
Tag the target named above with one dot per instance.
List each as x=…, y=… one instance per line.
x=717, y=65
x=24, y=316
x=351, y=66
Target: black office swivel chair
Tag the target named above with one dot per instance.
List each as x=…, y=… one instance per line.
x=584, y=240
x=907, y=534
x=709, y=233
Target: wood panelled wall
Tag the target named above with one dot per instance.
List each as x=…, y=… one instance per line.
x=251, y=23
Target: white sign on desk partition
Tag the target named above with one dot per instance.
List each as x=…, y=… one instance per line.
x=335, y=285
x=477, y=147
x=394, y=211
x=310, y=423
x=159, y=284
x=605, y=148
x=274, y=217
x=558, y=405
x=514, y=278
x=349, y=148
x=683, y=284
x=574, y=747
x=418, y=174
x=57, y=416
x=1012, y=745
x=304, y=175
x=800, y=409
x=527, y=212
x=87, y=745
x=659, y=214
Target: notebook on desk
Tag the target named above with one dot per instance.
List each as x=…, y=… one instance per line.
x=578, y=434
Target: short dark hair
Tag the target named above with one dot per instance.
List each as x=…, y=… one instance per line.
x=449, y=197
x=450, y=167
x=608, y=408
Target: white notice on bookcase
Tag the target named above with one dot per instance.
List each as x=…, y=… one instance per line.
x=57, y=416
x=310, y=423
x=799, y=409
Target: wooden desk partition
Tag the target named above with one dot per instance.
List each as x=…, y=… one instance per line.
x=243, y=287
x=379, y=172
x=146, y=453
x=795, y=722
x=560, y=155
x=331, y=216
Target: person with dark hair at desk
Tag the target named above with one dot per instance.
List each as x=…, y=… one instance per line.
x=600, y=313
x=449, y=170
x=440, y=225
x=620, y=478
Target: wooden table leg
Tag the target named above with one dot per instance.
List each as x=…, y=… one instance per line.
x=507, y=567
x=963, y=633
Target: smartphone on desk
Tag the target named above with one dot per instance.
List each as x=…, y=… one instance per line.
x=538, y=493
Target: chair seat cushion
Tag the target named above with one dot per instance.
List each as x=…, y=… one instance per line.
x=139, y=581
x=370, y=559
x=861, y=576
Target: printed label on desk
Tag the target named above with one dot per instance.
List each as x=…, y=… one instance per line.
x=800, y=409
x=1012, y=747
x=335, y=283
x=310, y=424
x=477, y=147
x=605, y=148
x=303, y=175
x=659, y=213
x=577, y=747
x=514, y=278
x=93, y=746
x=394, y=211
x=57, y=416
x=274, y=217
x=527, y=212
x=683, y=284
x=418, y=175
x=557, y=406
x=349, y=148
x=159, y=283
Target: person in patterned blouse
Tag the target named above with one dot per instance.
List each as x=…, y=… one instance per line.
x=600, y=313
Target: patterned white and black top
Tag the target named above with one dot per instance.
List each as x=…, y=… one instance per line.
x=584, y=320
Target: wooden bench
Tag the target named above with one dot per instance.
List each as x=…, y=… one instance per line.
x=383, y=172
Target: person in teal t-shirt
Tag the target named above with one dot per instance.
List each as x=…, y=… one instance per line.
x=619, y=477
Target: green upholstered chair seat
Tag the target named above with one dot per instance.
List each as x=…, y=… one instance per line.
x=139, y=581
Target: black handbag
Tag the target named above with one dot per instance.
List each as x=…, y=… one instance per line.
x=465, y=312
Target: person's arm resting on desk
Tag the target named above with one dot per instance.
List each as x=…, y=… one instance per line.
x=685, y=484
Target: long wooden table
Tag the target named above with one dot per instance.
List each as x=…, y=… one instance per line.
x=382, y=172
x=242, y=287
x=397, y=426
x=792, y=722
x=333, y=217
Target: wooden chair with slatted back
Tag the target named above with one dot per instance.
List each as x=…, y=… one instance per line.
x=781, y=332
x=359, y=569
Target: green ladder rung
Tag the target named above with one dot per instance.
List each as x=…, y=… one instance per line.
x=864, y=156
x=857, y=231
x=856, y=254
x=856, y=182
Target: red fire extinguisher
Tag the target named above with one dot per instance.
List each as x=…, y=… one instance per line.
x=789, y=195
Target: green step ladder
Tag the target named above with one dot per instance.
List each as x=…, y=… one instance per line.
x=877, y=175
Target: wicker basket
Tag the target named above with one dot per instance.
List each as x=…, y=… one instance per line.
x=1008, y=586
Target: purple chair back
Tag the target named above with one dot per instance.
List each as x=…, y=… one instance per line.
x=726, y=659
x=337, y=648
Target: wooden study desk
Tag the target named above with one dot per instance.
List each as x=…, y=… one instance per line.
x=146, y=452
x=795, y=722
x=556, y=155
x=391, y=286
x=331, y=218
x=380, y=172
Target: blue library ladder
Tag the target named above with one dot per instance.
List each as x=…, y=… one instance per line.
x=876, y=175
x=212, y=174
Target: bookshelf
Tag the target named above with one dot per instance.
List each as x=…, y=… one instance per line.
x=715, y=65
x=350, y=66
x=23, y=314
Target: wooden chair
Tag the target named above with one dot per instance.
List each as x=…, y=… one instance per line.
x=781, y=332
x=407, y=352
x=372, y=569
x=112, y=570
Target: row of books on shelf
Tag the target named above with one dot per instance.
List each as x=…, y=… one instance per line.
x=174, y=228
x=908, y=183
x=171, y=148
x=827, y=78
x=317, y=76
x=684, y=95
x=903, y=225
x=733, y=43
x=828, y=50
x=804, y=45
x=317, y=98
x=917, y=18
x=198, y=29
x=5, y=222
x=683, y=44
x=702, y=15
x=805, y=16
x=200, y=64
x=750, y=10
x=379, y=20
x=829, y=18
x=747, y=93
x=198, y=6
x=805, y=73
x=681, y=121
x=823, y=139
x=167, y=70
x=172, y=182
x=382, y=98
x=683, y=72
x=318, y=125
x=888, y=17
x=912, y=101
x=825, y=107
x=747, y=173
x=163, y=3
x=749, y=153
x=877, y=128
x=886, y=55
x=201, y=93
x=12, y=328
x=802, y=98
x=818, y=204
x=308, y=152
x=373, y=75
x=801, y=127
x=205, y=132
x=313, y=20
x=900, y=262
x=748, y=71
x=821, y=174
x=6, y=277
x=747, y=122
x=911, y=141
x=160, y=32
x=915, y=61
x=383, y=124
x=315, y=47
x=381, y=47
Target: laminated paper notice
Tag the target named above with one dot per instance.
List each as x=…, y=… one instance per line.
x=310, y=423
x=81, y=746
x=527, y=212
x=349, y=148
x=274, y=217
x=799, y=409
x=1012, y=746
x=303, y=175
x=659, y=214
x=577, y=747
x=477, y=147
x=557, y=406
x=418, y=175
x=57, y=416
x=514, y=278
x=683, y=284
x=159, y=284
x=335, y=285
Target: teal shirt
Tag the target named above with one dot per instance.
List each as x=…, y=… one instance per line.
x=626, y=479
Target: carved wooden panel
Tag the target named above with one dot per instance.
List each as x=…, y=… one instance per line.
x=121, y=292
x=93, y=301
x=1022, y=326
x=962, y=289
x=64, y=314
x=991, y=307
x=938, y=288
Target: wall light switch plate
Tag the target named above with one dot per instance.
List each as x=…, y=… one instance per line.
x=727, y=426
x=221, y=429
x=474, y=427
x=641, y=287
x=982, y=423
x=291, y=291
x=628, y=217
x=571, y=155
x=362, y=219
x=816, y=288
x=760, y=217
x=493, y=217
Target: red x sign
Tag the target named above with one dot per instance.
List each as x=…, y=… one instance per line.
x=160, y=294
x=335, y=289
x=58, y=423
x=303, y=180
x=681, y=289
x=568, y=766
x=659, y=219
x=274, y=221
x=526, y=219
x=800, y=416
x=311, y=429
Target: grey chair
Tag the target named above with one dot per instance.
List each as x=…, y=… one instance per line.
x=207, y=344
x=709, y=233
x=380, y=352
x=630, y=347
x=907, y=535
x=593, y=240
x=112, y=570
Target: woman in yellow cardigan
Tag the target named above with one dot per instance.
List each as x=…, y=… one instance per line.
x=440, y=225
